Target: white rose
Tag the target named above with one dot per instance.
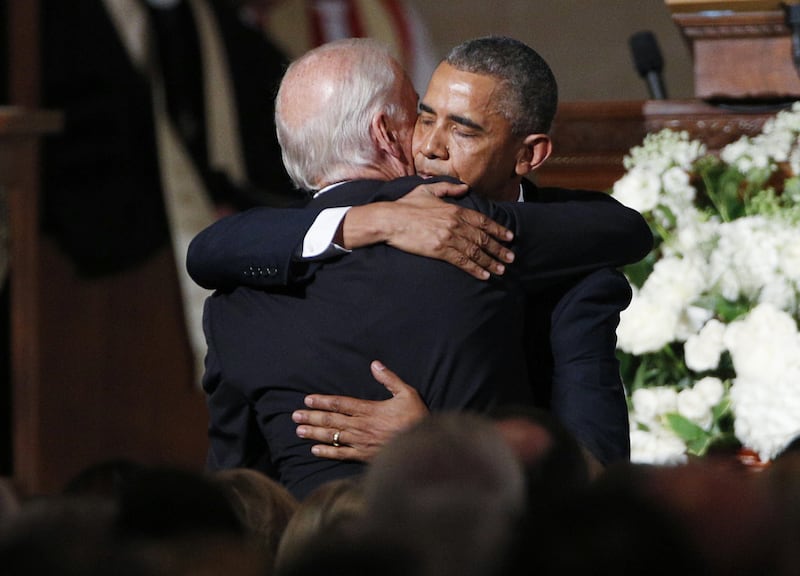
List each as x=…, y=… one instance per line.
x=645, y=326
x=767, y=413
x=693, y=406
x=690, y=321
x=711, y=389
x=763, y=344
x=645, y=404
x=658, y=448
x=638, y=189
x=650, y=403
x=675, y=282
x=702, y=351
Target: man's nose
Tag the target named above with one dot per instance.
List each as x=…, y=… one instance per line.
x=434, y=145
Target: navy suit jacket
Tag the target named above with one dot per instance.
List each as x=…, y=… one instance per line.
x=571, y=333
x=457, y=339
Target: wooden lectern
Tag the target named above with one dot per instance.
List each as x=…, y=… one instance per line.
x=743, y=75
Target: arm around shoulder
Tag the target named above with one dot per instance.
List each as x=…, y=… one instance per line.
x=255, y=248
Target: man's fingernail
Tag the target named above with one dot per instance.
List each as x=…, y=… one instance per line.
x=315, y=450
x=308, y=401
x=302, y=431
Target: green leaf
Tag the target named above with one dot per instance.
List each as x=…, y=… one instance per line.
x=686, y=430
x=721, y=410
x=699, y=446
x=638, y=272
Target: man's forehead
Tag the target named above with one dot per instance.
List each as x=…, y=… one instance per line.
x=463, y=97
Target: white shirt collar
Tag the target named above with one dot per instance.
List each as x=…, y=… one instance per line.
x=329, y=187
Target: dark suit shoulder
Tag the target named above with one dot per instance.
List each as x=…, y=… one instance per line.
x=607, y=286
x=533, y=193
x=357, y=192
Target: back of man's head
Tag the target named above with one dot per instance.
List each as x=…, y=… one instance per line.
x=530, y=93
x=450, y=490
x=324, y=107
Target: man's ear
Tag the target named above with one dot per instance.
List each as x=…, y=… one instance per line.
x=385, y=136
x=535, y=149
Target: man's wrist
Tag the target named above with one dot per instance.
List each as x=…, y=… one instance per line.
x=364, y=226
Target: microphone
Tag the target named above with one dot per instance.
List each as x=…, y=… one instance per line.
x=648, y=61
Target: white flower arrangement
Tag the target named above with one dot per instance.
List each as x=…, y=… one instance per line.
x=709, y=347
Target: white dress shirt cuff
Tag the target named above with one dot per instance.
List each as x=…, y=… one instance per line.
x=318, y=242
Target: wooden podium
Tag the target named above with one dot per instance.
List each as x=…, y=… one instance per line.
x=742, y=49
x=590, y=139
x=743, y=75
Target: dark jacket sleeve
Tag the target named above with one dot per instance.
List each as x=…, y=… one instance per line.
x=254, y=248
x=562, y=240
x=587, y=390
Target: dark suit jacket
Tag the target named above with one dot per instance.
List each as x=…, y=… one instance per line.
x=571, y=332
x=458, y=339
x=102, y=197
x=570, y=326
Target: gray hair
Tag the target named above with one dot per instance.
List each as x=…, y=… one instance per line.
x=331, y=144
x=529, y=95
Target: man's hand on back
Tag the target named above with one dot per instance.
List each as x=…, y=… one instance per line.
x=422, y=223
x=359, y=427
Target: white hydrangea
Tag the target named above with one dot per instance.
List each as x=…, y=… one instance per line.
x=651, y=441
x=767, y=414
x=711, y=388
x=746, y=256
x=692, y=405
x=659, y=447
x=763, y=344
x=649, y=404
x=664, y=149
x=751, y=261
x=777, y=142
x=765, y=395
x=702, y=351
x=694, y=236
x=678, y=191
x=675, y=282
x=639, y=189
x=646, y=326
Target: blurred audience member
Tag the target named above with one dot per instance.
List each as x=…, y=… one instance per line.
x=58, y=535
x=450, y=490
x=331, y=508
x=264, y=507
x=554, y=464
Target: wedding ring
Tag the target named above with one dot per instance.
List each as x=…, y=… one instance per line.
x=336, y=438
